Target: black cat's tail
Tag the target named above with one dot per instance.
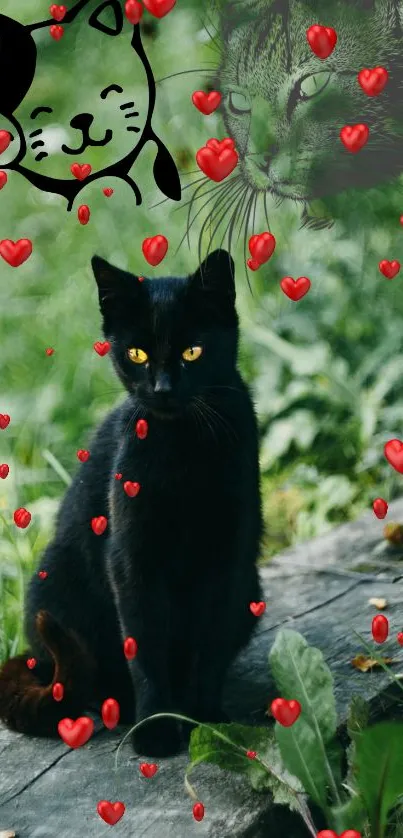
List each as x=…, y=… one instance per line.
x=27, y=704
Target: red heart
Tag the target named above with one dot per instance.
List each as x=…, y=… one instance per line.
x=118, y=475
x=253, y=264
x=31, y=663
x=148, y=768
x=108, y=191
x=131, y=489
x=140, y=278
x=83, y=214
x=159, y=8
x=261, y=246
x=58, y=12
x=354, y=137
x=4, y=421
x=251, y=754
x=380, y=507
x=5, y=140
x=219, y=145
x=285, y=712
x=4, y=471
x=295, y=289
x=42, y=574
x=83, y=455
x=56, y=32
x=133, y=11
x=99, y=524
x=400, y=638
x=393, y=451
x=81, y=171
x=15, y=253
x=257, y=608
x=58, y=691
x=3, y=179
x=130, y=648
x=111, y=813
x=380, y=628
x=75, y=734
x=322, y=40
x=206, y=102
x=389, y=269
x=22, y=518
x=102, y=348
x=142, y=428
x=110, y=713
x=49, y=351
x=155, y=249
x=348, y=833
x=198, y=811
x=217, y=161
x=373, y=81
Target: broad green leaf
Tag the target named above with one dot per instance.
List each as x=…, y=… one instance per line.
x=301, y=756
x=379, y=770
x=351, y=815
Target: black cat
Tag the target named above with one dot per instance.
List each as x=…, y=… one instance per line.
x=176, y=566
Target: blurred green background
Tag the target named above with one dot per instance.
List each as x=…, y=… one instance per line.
x=326, y=371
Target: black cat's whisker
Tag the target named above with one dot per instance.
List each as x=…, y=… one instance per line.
x=184, y=72
x=35, y=133
x=41, y=156
x=37, y=143
x=126, y=105
x=136, y=412
x=216, y=418
x=129, y=115
x=200, y=407
x=133, y=128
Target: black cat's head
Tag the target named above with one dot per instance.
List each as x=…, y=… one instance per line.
x=172, y=338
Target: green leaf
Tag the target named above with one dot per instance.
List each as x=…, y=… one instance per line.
x=298, y=748
x=379, y=771
x=358, y=716
x=351, y=815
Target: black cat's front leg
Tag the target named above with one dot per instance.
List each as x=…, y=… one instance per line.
x=143, y=613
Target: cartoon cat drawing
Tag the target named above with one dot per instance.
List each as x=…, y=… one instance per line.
x=49, y=137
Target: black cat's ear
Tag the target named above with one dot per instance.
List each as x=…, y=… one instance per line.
x=166, y=174
x=216, y=274
x=113, y=283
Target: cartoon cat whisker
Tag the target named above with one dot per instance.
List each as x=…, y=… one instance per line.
x=129, y=115
x=126, y=105
x=35, y=133
x=41, y=156
x=37, y=143
x=133, y=128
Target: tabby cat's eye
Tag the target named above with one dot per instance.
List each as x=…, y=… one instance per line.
x=192, y=353
x=138, y=356
x=313, y=84
x=238, y=103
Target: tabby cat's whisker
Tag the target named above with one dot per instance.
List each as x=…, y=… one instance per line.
x=184, y=72
x=222, y=216
x=234, y=198
x=191, y=222
x=234, y=219
x=188, y=186
x=222, y=189
x=225, y=193
x=265, y=210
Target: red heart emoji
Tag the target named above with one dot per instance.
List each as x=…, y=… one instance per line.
x=354, y=137
x=155, y=249
x=3, y=179
x=217, y=162
x=118, y=475
x=373, y=81
x=159, y=8
x=83, y=455
x=133, y=11
x=108, y=191
x=58, y=12
x=389, y=269
x=219, y=145
x=251, y=754
x=110, y=713
x=81, y=171
x=142, y=428
x=206, y=102
x=58, y=691
x=4, y=421
x=111, y=813
x=380, y=628
x=130, y=648
x=285, y=712
x=257, y=608
x=31, y=663
x=261, y=246
x=4, y=471
x=198, y=811
x=102, y=348
x=5, y=140
x=393, y=451
x=148, y=769
x=399, y=638
x=42, y=574
x=15, y=253
x=99, y=524
x=76, y=733
x=322, y=40
x=56, y=32
x=380, y=507
x=22, y=518
x=83, y=214
x=49, y=351
x=295, y=289
x=140, y=278
x=348, y=833
x=253, y=264
x=131, y=489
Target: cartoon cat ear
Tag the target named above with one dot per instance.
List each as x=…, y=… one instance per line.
x=113, y=283
x=216, y=273
x=165, y=173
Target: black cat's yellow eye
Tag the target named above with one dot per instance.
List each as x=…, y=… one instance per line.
x=192, y=353
x=138, y=356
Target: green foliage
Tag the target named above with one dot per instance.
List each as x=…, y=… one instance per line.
x=379, y=771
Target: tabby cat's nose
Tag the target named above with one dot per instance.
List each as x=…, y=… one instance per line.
x=162, y=383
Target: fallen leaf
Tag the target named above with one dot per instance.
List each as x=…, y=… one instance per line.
x=393, y=533
x=378, y=603
x=365, y=664
x=7, y=833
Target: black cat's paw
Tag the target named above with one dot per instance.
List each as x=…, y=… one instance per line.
x=159, y=738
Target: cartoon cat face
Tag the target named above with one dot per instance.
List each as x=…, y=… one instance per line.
x=284, y=107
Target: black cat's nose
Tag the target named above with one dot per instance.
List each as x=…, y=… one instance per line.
x=82, y=121
x=163, y=384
